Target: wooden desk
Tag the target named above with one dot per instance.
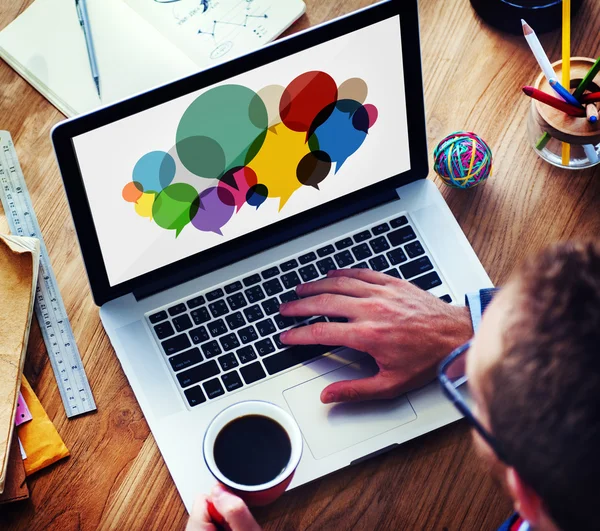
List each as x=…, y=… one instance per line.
x=116, y=478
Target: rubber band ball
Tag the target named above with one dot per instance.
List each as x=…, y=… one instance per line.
x=463, y=160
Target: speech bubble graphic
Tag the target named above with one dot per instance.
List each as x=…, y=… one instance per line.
x=313, y=168
x=275, y=164
x=257, y=195
x=355, y=89
x=372, y=112
x=132, y=192
x=305, y=97
x=154, y=171
x=233, y=118
x=143, y=206
x=237, y=181
x=175, y=207
x=215, y=208
x=271, y=97
x=360, y=120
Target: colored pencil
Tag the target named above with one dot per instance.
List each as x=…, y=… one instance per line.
x=590, y=152
x=587, y=79
x=566, y=66
x=591, y=113
x=538, y=51
x=564, y=93
x=592, y=97
x=546, y=98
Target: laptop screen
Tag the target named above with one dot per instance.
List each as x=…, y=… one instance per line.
x=188, y=175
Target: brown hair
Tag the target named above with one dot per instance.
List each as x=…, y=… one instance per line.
x=544, y=393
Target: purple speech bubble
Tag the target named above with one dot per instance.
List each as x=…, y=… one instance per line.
x=216, y=206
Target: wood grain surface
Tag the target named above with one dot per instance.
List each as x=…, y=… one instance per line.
x=115, y=477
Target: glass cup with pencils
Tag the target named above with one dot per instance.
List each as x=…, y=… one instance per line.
x=559, y=117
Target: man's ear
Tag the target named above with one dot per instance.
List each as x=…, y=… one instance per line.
x=526, y=501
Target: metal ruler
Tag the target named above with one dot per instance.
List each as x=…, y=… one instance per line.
x=50, y=310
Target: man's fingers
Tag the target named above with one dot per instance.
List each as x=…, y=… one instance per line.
x=324, y=304
x=199, y=518
x=331, y=334
x=340, y=285
x=374, y=387
x=366, y=275
x=233, y=509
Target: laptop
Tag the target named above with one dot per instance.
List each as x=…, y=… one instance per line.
x=200, y=206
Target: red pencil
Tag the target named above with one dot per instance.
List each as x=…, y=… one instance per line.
x=571, y=110
x=590, y=98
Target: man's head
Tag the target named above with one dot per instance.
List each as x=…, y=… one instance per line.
x=534, y=372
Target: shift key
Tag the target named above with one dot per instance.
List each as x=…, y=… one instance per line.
x=198, y=373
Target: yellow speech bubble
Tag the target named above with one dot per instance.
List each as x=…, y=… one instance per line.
x=276, y=163
x=143, y=206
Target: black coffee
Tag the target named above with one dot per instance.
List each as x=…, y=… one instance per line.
x=252, y=450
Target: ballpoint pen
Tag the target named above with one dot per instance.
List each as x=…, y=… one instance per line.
x=84, y=20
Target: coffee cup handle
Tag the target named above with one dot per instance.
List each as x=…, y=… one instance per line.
x=217, y=517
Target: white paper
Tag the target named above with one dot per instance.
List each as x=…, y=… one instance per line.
x=23, y=454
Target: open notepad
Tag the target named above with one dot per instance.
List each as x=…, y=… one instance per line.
x=139, y=44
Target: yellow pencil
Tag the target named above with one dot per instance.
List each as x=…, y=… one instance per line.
x=566, y=65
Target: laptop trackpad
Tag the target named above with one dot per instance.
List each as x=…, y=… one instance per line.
x=330, y=428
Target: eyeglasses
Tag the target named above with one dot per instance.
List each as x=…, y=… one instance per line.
x=453, y=378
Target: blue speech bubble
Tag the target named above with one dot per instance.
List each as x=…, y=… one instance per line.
x=154, y=171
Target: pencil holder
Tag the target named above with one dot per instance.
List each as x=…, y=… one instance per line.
x=548, y=128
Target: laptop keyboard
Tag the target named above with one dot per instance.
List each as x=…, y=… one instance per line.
x=226, y=338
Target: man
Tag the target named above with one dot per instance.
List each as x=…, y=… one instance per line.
x=533, y=370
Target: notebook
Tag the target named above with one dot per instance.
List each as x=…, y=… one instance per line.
x=19, y=264
x=140, y=44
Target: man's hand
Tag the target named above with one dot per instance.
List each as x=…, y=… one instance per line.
x=408, y=331
x=233, y=510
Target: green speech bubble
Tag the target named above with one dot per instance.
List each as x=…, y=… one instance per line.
x=175, y=207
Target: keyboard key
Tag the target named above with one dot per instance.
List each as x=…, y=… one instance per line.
x=266, y=327
x=248, y=334
x=200, y=315
x=283, y=322
x=185, y=359
x=290, y=280
x=416, y=267
x=393, y=273
x=229, y=342
x=271, y=306
x=379, y=245
x=379, y=263
x=272, y=287
x=414, y=249
x=195, y=302
x=270, y=273
x=398, y=222
x=428, y=281
x=218, y=308
x=183, y=322
x=214, y=294
x=198, y=373
x=446, y=298
x=327, y=264
x=199, y=335
x=176, y=344
x=337, y=320
x=397, y=256
x=236, y=301
x=157, y=317
x=380, y=229
x=164, y=330
x=289, y=296
x=324, y=251
x=211, y=349
x=216, y=328
x=400, y=236
x=344, y=244
x=213, y=388
x=317, y=320
x=232, y=381
x=194, y=396
x=228, y=361
x=235, y=320
x=362, y=236
x=264, y=347
x=344, y=259
x=289, y=265
x=308, y=273
x=233, y=287
x=277, y=339
x=293, y=356
x=246, y=354
x=255, y=294
x=253, y=313
x=306, y=258
x=361, y=265
x=251, y=280
x=253, y=372
x=177, y=309
x=361, y=251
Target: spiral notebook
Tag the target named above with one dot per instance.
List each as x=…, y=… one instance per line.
x=139, y=44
